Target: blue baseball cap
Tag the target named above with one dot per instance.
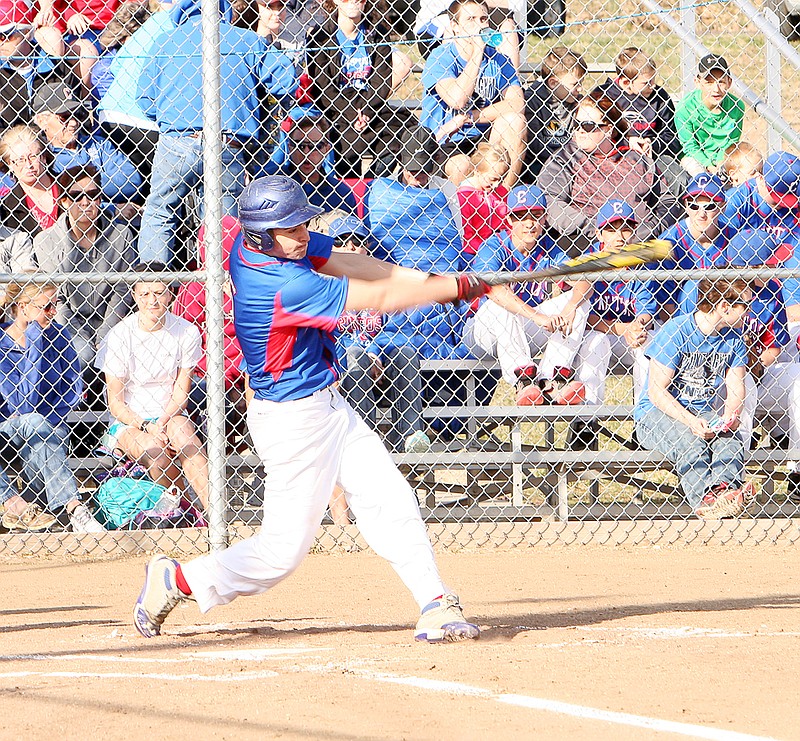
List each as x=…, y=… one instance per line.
x=782, y=177
x=347, y=225
x=526, y=198
x=615, y=210
x=706, y=185
x=751, y=248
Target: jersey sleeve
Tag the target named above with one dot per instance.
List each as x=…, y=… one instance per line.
x=319, y=250
x=487, y=259
x=438, y=67
x=310, y=300
x=739, y=358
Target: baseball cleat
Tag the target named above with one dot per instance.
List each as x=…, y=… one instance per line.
x=442, y=620
x=159, y=596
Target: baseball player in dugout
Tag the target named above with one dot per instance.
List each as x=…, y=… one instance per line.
x=289, y=291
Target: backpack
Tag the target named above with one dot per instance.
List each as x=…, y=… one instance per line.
x=121, y=498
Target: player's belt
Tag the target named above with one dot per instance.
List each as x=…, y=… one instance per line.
x=229, y=140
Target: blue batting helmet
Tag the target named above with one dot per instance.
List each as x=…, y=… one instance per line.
x=273, y=202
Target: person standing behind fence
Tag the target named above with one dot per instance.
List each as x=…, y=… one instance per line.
x=694, y=359
x=170, y=93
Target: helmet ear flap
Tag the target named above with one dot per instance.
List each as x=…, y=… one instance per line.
x=262, y=240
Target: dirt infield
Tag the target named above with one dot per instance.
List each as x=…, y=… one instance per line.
x=579, y=642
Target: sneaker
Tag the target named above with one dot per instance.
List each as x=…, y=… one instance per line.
x=81, y=521
x=528, y=392
x=723, y=502
x=159, y=595
x=417, y=442
x=33, y=519
x=562, y=389
x=442, y=620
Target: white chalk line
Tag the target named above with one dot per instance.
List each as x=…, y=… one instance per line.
x=239, y=677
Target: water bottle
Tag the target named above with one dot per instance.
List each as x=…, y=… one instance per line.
x=167, y=503
x=491, y=37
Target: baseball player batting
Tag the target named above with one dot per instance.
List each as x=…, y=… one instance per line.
x=290, y=290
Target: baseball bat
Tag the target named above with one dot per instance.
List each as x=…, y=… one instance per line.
x=636, y=253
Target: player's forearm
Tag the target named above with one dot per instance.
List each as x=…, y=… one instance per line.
x=364, y=267
x=505, y=298
x=397, y=294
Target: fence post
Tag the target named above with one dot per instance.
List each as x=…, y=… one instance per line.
x=212, y=182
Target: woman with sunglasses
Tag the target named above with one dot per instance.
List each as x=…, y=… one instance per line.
x=596, y=165
x=40, y=383
x=85, y=239
x=695, y=360
x=351, y=66
x=32, y=204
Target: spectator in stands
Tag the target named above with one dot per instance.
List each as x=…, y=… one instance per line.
x=742, y=163
x=306, y=156
x=482, y=197
x=415, y=218
x=170, y=93
x=85, y=239
x=190, y=304
x=40, y=383
x=472, y=91
x=120, y=116
x=767, y=201
x=550, y=105
x=60, y=116
x=128, y=19
x=693, y=358
x=594, y=166
x=16, y=254
x=516, y=322
x=373, y=370
x=350, y=63
x=148, y=360
x=32, y=204
x=28, y=58
x=709, y=119
x=649, y=111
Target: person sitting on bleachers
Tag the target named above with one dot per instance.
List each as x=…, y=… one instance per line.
x=32, y=203
x=305, y=154
x=472, y=91
x=85, y=239
x=350, y=63
x=374, y=370
x=516, y=322
x=40, y=383
x=709, y=119
x=742, y=163
x=148, y=360
x=60, y=116
x=28, y=58
x=596, y=165
x=550, y=105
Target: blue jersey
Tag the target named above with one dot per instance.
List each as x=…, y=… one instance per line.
x=746, y=209
x=614, y=301
x=687, y=254
x=496, y=75
x=498, y=253
x=699, y=362
x=285, y=314
x=356, y=61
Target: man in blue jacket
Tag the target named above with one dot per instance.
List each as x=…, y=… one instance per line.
x=170, y=93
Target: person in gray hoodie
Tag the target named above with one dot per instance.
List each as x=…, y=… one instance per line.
x=85, y=240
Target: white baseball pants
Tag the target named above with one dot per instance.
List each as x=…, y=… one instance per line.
x=307, y=446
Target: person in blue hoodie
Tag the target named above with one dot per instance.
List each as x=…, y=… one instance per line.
x=40, y=383
x=170, y=93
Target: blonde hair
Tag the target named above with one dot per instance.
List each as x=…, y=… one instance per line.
x=738, y=153
x=18, y=134
x=20, y=293
x=487, y=155
x=632, y=61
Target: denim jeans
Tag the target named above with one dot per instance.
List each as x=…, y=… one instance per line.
x=42, y=449
x=403, y=389
x=700, y=464
x=177, y=169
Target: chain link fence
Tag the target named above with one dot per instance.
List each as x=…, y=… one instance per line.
x=513, y=137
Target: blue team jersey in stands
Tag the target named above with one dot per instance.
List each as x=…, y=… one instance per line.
x=498, y=253
x=285, y=314
x=687, y=254
x=614, y=301
x=746, y=209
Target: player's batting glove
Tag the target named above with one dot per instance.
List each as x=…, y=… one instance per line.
x=470, y=287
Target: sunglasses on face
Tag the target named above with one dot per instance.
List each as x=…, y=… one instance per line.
x=51, y=305
x=590, y=126
x=310, y=146
x=77, y=195
x=695, y=206
x=8, y=35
